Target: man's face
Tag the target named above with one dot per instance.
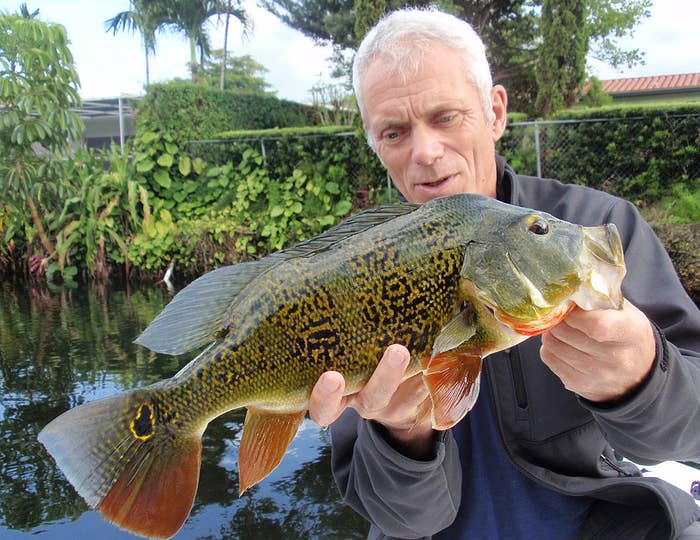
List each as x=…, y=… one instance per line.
x=430, y=129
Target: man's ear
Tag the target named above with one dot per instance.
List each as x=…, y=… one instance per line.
x=499, y=103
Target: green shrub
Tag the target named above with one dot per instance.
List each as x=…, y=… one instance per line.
x=190, y=112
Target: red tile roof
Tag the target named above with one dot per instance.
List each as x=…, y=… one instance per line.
x=657, y=83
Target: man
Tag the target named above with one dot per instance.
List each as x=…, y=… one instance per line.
x=534, y=458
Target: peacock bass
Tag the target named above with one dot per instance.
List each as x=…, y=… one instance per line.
x=454, y=280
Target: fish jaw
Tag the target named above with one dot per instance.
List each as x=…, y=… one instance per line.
x=534, y=328
x=603, y=264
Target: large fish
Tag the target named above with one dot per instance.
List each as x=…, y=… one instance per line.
x=454, y=280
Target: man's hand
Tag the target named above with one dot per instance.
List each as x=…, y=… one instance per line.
x=386, y=399
x=602, y=354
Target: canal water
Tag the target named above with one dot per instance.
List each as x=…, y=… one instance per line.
x=65, y=347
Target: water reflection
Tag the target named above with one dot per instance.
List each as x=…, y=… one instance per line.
x=58, y=350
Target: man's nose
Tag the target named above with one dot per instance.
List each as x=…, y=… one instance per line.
x=427, y=148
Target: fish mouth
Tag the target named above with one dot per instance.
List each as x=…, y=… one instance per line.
x=603, y=261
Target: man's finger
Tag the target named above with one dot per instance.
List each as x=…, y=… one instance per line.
x=387, y=377
x=327, y=402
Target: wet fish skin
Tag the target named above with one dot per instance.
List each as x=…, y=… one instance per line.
x=454, y=280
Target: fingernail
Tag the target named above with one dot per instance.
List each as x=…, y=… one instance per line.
x=395, y=357
x=328, y=385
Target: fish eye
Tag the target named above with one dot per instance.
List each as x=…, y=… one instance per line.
x=538, y=226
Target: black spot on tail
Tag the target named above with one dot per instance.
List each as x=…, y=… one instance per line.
x=143, y=425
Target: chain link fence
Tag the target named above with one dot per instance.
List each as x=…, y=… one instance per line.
x=637, y=157
x=634, y=157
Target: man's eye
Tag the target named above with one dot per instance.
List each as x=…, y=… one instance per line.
x=447, y=118
x=390, y=135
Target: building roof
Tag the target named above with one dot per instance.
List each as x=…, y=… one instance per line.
x=657, y=84
x=104, y=107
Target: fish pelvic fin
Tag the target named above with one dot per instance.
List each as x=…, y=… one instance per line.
x=127, y=462
x=266, y=436
x=452, y=379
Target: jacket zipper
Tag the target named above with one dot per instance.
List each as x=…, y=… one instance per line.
x=518, y=378
x=614, y=466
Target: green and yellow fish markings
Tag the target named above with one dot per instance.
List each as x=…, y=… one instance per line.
x=454, y=280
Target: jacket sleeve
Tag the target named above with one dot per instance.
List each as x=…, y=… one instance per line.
x=405, y=498
x=661, y=420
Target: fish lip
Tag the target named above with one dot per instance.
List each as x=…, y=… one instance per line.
x=604, y=244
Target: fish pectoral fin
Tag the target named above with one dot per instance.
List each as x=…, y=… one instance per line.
x=423, y=412
x=266, y=436
x=458, y=330
x=452, y=379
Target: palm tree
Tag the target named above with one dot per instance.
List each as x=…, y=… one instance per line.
x=242, y=16
x=190, y=17
x=145, y=16
x=24, y=12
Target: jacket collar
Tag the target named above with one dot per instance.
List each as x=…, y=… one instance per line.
x=506, y=187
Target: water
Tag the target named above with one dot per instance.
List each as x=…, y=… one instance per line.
x=59, y=349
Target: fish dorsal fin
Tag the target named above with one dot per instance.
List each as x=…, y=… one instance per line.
x=356, y=224
x=452, y=379
x=189, y=321
x=193, y=316
x=455, y=332
x=266, y=436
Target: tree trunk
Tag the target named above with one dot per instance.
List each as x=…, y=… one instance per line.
x=193, y=59
x=148, y=71
x=223, y=59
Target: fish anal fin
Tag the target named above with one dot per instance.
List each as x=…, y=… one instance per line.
x=452, y=379
x=154, y=497
x=266, y=436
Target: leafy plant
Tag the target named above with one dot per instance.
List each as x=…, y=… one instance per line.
x=37, y=126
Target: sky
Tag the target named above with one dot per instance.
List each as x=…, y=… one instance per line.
x=110, y=66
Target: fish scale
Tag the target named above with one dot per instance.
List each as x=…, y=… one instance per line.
x=453, y=280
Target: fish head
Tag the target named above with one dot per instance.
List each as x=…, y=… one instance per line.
x=532, y=269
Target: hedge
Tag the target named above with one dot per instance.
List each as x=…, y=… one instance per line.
x=636, y=152
x=191, y=112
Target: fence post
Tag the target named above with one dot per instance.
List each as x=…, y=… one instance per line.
x=537, y=149
x=264, y=154
x=121, y=125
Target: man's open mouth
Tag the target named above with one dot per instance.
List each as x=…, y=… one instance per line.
x=438, y=182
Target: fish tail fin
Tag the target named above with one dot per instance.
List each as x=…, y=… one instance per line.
x=129, y=460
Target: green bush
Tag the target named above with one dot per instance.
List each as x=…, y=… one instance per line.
x=213, y=202
x=190, y=112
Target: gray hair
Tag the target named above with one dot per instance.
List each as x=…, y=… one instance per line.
x=401, y=38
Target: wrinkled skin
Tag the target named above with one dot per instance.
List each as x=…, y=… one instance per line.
x=434, y=139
